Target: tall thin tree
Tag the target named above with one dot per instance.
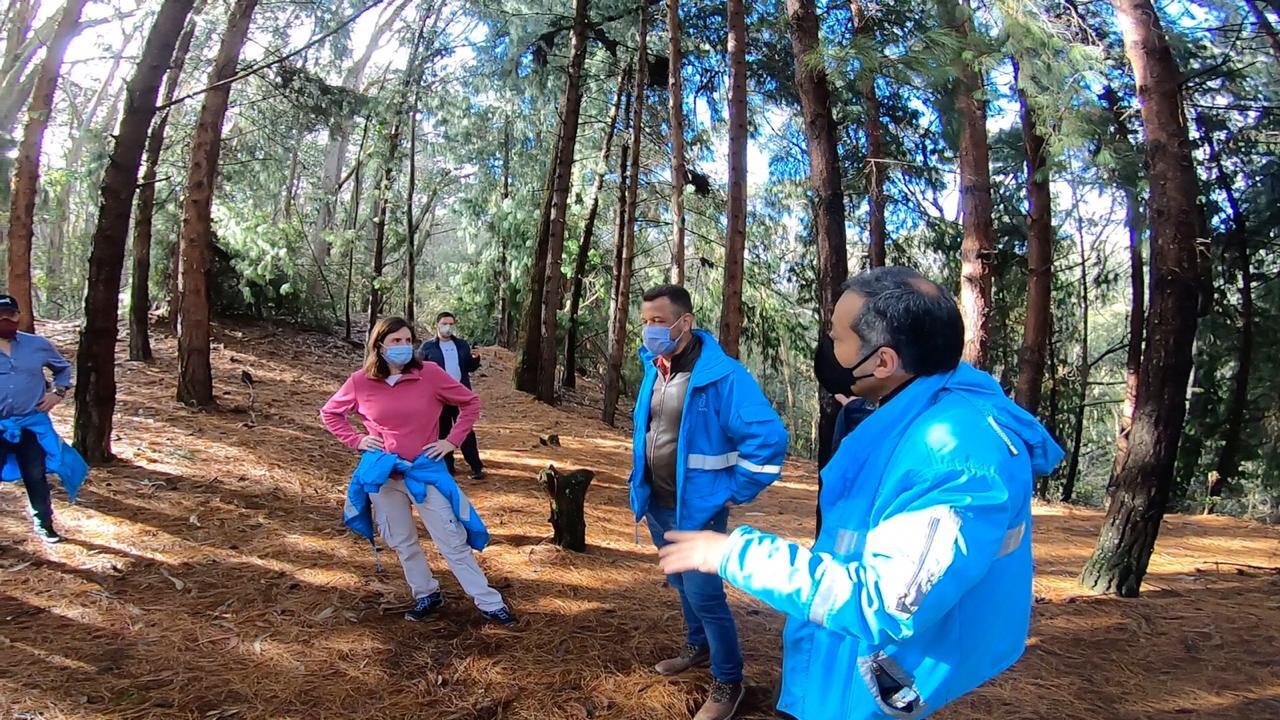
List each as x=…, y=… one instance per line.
x=140, y=282
x=877, y=170
x=735, y=246
x=570, y=378
x=625, y=239
x=1140, y=489
x=1035, y=329
x=26, y=176
x=195, y=370
x=679, y=170
x=96, y=360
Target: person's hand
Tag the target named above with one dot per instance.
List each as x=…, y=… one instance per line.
x=843, y=399
x=369, y=442
x=48, y=402
x=439, y=449
x=699, y=551
x=475, y=354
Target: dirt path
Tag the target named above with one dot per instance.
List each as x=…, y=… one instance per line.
x=207, y=575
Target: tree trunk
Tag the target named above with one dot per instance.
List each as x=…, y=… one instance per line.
x=570, y=378
x=826, y=182
x=195, y=371
x=140, y=284
x=1035, y=329
x=96, y=360
x=624, y=252
x=26, y=177
x=410, y=228
x=554, y=283
x=877, y=170
x=529, y=370
x=1082, y=365
x=568, y=495
x=335, y=152
x=735, y=245
x=679, y=172
x=1141, y=493
x=1265, y=27
x=977, y=249
x=505, y=332
x=388, y=176
x=1228, y=465
x=1051, y=421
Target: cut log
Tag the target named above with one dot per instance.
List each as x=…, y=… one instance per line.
x=568, y=495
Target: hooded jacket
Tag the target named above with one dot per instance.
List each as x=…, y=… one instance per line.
x=918, y=588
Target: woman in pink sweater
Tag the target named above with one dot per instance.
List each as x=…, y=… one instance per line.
x=399, y=401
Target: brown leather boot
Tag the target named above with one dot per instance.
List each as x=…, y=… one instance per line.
x=692, y=656
x=722, y=702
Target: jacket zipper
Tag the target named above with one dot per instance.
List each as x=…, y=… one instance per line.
x=928, y=545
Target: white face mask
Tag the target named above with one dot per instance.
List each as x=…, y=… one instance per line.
x=446, y=331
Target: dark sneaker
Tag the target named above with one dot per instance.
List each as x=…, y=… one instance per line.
x=477, y=474
x=425, y=607
x=47, y=534
x=722, y=702
x=501, y=616
x=691, y=657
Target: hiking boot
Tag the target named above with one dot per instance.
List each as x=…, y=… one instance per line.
x=692, y=656
x=722, y=702
x=501, y=616
x=477, y=474
x=425, y=607
x=47, y=534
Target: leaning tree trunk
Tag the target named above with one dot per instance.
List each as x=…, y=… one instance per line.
x=1082, y=366
x=826, y=182
x=568, y=495
x=679, y=172
x=26, y=177
x=1141, y=487
x=1035, y=329
x=529, y=369
x=736, y=234
x=570, y=378
x=1128, y=180
x=877, y=169
x=96, y=360
x=195, y=371
x=625, y=238
x=553, y=285
x=140, y=283
x=977, y=248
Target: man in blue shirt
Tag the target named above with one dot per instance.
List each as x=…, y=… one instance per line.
x=458, y=359
x=24, y=391
x=918, y=588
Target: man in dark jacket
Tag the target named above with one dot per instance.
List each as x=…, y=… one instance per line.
x=458, y=359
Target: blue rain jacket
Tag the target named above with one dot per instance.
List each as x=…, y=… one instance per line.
x=60, y=458
x=918, y=588
x=377, y=466
x=732, y=443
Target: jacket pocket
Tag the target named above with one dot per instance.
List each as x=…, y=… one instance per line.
x=892, y=688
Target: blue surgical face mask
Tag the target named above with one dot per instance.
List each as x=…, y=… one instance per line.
x=658, y=340
x=398, y=354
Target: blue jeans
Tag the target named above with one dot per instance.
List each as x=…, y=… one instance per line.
x=707, y=618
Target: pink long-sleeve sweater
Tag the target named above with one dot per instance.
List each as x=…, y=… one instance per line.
x=405, y=416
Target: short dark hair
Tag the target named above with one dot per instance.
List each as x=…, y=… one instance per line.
x=446, y=314
x=675, y=293
x=915, y=316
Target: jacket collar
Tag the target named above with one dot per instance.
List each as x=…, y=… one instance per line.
x=712, y=363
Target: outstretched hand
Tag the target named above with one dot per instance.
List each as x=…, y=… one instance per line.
x=699, y=551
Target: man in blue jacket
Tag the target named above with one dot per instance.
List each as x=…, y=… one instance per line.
x=705, y=438
x=25, y=400
x=458, y=359
x=918, y=588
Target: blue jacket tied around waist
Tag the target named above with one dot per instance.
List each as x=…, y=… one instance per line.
x=377, y=466
x=732, y=443
x=918, y=588
x=60, y=458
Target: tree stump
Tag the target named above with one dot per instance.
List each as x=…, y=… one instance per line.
x=568, y=495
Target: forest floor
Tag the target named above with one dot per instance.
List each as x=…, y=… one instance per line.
x=207, y=575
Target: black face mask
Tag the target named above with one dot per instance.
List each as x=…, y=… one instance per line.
x=856, y=377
